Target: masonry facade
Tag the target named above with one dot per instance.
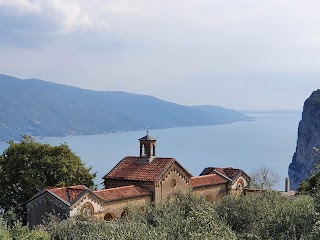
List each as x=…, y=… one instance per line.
x=135, y=181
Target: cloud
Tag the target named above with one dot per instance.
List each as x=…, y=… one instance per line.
x=46, y=19
x=21, y=6
x=210, y=49
x=73, y=16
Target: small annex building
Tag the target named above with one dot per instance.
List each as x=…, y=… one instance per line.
x=66, y=202
x=134, y=181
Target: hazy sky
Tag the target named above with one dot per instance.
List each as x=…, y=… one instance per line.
x=242, y=54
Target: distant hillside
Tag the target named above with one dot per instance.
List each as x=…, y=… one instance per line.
x=45, y=109
x=271, y=111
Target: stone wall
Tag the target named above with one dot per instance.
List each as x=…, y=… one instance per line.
x=110, y=183
x=173, y=181
x=118, y=208
x=43, y=205
x=96, y=203
x=211, y=193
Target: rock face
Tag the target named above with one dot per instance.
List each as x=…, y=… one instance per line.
x=303, y=160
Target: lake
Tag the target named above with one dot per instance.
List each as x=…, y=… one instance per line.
x=269, y=140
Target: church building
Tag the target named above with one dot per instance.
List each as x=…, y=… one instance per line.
x=135, y=181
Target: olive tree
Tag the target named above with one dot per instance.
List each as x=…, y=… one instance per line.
x=28, y=166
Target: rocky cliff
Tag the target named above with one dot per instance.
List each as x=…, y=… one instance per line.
x=308, y=137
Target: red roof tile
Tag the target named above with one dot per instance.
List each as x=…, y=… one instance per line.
x=211, y=179
x=228, y=172
x=68, y=194
x=129, y=168
x=122, y=192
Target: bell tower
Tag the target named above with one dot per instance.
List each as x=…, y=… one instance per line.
x=147, y=148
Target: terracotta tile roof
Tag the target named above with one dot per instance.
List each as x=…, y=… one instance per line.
x=122, y=192
x=211, y=179
x=147, y=138
x=129, y=168
x=228, y=172
x=68, y=194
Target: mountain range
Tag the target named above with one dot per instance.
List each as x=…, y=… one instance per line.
x=44, y=109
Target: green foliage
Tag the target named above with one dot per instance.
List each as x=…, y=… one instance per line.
x=4, y=232
x=262, y=216
x=20, y=232
x=268, y=216
x=245, y=214
x=291, y=219
x=312, y=183
x=184, y=217
x=28, y=166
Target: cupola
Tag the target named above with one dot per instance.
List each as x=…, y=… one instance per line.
x=147, y=148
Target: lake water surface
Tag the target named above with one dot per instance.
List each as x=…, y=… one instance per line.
x=269, y=140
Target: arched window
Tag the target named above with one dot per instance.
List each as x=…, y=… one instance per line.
x=87, y=209
x=173, y=183
x=153, y=150
x=143, y=150
x=124, y=214
x=240, y=184
x=109, y=217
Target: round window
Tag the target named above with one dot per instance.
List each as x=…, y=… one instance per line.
x=240, y=184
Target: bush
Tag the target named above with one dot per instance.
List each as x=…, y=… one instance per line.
x=291, y=219
x=19, y=232
x=258, y=217
x=184, y=217
x=268, y=216
x=4, y=233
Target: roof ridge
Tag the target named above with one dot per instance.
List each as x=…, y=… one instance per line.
x=231, y=168
x=78, y=187
x=166, y=168
x=115, y=188
x=59, y=197
x=208, y=175
x=155, y=157
x=222, y=175
x=72, y=187
x=129, y=168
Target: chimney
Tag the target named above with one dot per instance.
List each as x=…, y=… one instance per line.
x=287, y=184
